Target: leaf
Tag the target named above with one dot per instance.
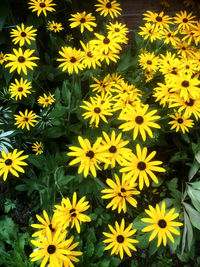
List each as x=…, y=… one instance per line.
x=4, y=11
x=193, y=214
x=197, y=156
x=196, y=185
x=137, y=223
x=193, y=169
x=89, y=250
x=53, y=132
x=37, y=161
x=173, y=246
x=105, y=263
x=66, y=93
x=194, y=196
x=153, y=247
x=189, y=230
x=143, y=240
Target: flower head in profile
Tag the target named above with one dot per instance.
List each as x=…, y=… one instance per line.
x=46, y=100
x=23, y=35
x=89, y=156
x=83, y=20
x=107, y=7
x=181, y=122
x=55, y=250
x=25, y=119
x=21, y=60
x=71, y=59
x=11, y=163
x=71, y=212
x=120, y=193
x=3, y=58
x=142, y=167
x=54, y=26
x=120, y=239
x=20, y=88
x=161, y=223
x=41, y=6
x=38, y=147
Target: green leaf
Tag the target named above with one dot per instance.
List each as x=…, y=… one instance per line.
x=193, y=214
x=4, y=11
x=197, y=156
x=189, y=230
x=105, y=263
x=137, y=223
x=89, y=250
x=193, y=169
x=53, y=132
x=196, y=185
x=143, y=240
x=194, y=196
x=66, y=93
x=37, y=161
x=153, y=247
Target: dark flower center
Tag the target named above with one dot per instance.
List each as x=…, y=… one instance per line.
x=190, y=103
x=72, y=210
x=187, y=67
x=174, y=72
x=97, y=110
x=50, y=225
x=185, y=20
x=139, y=120
x=55, y=27
x=42, y=5
x=141, y=165
x=158, y=18
x=147, y=72
x=106, y=41
x=117, y=29
x=123, y=190
x=180, y=120
x=51, y=249
x=82, y=20
x=73, y=214
x=185, y=84
x=169, y=35
x=72, y=59
x=8, y=162
x=120, y=239
x=183, y=48
x=162, y=223
x=23, y=34
x=112, y=149
x=149, y=62
x=26, y=119
x=89, y=54
x=20, y=89
x=108, y=5
x=21, y=59
x=90, y=154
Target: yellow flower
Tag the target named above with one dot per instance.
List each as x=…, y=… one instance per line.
x=12, y=162
x=120, y=192
x=160, y=19
x=161, y=223
x=89, y=156
x=3, y=58
x=37, y=147
x=46, y=100
x=41, y=6
x=22, y=35
x=20, y=88
x=83, y=20
x=90, y=56
x=54, y=26
x=71, y=212
x=184, y=20
x=148, y=61
x=120, y=239
x=141, y=167
x=21, y=60
x=181, y=122
x=107, y=7
x=119, y=30
x=151, y=31
x=25, y=120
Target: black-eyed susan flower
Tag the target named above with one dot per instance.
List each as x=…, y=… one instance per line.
x=119, y=30
x=150, y=31
x=90, y=56
x=188, y=66
x=160, y=19
x=190, y=35
x=109, y=56
x=184, y=20
x=71, y=59
x=122, y=100
x=54, y=250
x=138, y=119
x=21, y=60
x=3, y=58
x=23, y=35
x=20, y=88
x=184, y=49
x=96, y=110
x=11, y=163
x=161, y=223
x=54, y=26
x=44, y=224
x=107, y=7
x=120, y=192
x=169, y=36
x=103, y=86
x=41, y=6
x=118, y=151
x=89, y=156
x=83, y=20
x=46, y=100
x=148, y=61
x=141, y=167
x=120, y=239
x=38, y=147
x=181, y=122
x=25, y=119
x=163, y=94
x=72, y=212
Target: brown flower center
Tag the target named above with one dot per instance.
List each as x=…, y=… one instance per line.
x=112, y=149
x=169, y=35
x=190, y=102
x=8, y=162
x=72, y=210
x=162, y=223
x=97, y=110
x=106, y=41
x=20, y=89
x=108, y=5
x=139, y=120
x=89, y=54
x=185, y=20
x=21, y=59
x=42, y=5
x=51, y=249
x=117, y=29
x=120, y=239
x=185, y=84
x=149, y=62
x=159, y=19
x=23, y=34
x=123, y=190
x=82, y=20
x=180, y=120
x=72, y=59
x=141, y=165
x=90, y=154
